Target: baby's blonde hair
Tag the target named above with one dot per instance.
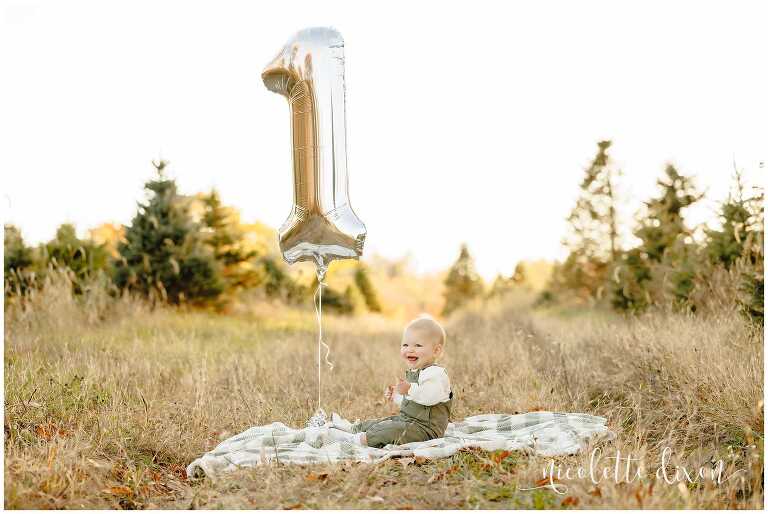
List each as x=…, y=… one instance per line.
x=427, y=324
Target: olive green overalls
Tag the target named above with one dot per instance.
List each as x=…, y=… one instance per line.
x=415, y=422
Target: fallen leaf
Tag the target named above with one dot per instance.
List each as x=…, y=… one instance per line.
x=49, y=430
x=500, y=456
x=118, y=490
x=420, y=460
x=294, y=506
x=543, y=481
x=596, y=492
x=570, y=500
x=43, y=432
x=179, y=471
x=317, y=476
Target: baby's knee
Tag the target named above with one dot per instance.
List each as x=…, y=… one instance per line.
x=376, y=439
x=384, y=433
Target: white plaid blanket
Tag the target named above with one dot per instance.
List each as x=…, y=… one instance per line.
x=542, y=433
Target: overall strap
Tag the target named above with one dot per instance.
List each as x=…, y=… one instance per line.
x=413, y=375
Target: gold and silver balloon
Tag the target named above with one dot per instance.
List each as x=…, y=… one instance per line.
x=309, y=72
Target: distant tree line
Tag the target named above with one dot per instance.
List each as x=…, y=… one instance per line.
x=463, y=284
x=178, y=250
x=666, y=267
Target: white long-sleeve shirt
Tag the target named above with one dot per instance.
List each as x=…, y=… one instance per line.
x=434, y=387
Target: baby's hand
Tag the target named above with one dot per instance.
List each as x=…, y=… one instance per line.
x=403, y=386
x=389, y=392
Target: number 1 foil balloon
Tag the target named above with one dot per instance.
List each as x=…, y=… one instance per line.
x=309, y=72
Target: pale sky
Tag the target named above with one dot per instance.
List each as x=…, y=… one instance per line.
x=466, y=122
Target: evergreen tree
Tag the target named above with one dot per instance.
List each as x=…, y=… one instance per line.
x=740, y=240
x=593, y=221
x=345, y=303
x=279, y=285
x=663, y=223
x=365, y=286
x=164, y=255
x=519, y=276
x=501, y=285
x=354, y=302
x=593, y=240
x=82, y=256
x=16, y=254
x=18, y=259
x=462, y=283
x=728, y=244
x=630, y=276
x=753, y=278
x=226, y=238
x=663, y=248
x=679, y=265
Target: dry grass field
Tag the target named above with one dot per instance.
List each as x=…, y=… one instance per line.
x=107, y=402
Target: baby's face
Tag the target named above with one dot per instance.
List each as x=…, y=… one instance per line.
x=417, y=349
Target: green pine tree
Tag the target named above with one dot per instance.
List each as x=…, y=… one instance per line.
x=82, y=256
x=518, y=277
x=740, y=241
x=665, y=247
x=345, y=302
x=630, y=277
x=663, y=222
x=463, y=283
x=223, y=234
x=280, y=285
x=592, y=240
x=501, y=285
x=164, y=255
x=365, y=286
x=728, y=244
x=18, y=261
x=753, y=277
x=354, y=302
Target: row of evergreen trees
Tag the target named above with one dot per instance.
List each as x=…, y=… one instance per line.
x=177, y=250
x=666, y=265
x=171, y=254
x=463, y=284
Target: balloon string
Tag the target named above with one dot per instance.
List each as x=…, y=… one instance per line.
x=319, y=314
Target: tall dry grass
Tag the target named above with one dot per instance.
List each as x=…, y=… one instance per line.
x=107, y=401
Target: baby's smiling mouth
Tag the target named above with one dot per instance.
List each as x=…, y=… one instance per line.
x=412, y=358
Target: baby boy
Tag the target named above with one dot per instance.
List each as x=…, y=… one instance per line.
x=424, y=397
